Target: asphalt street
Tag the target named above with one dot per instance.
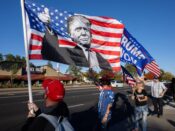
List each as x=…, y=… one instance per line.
x=82, y=103
x=13, y=104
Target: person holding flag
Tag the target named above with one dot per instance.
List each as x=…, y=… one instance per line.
x=53, y=106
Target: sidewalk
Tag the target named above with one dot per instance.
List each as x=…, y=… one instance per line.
x=164, y=123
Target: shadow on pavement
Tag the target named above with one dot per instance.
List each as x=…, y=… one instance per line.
x=121, y=111
x=171, y=122
x=85, y=120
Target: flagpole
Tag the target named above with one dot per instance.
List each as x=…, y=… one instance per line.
x=26, y=51
x=58, y=67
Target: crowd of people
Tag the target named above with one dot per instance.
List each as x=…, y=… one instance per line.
x=55, y=109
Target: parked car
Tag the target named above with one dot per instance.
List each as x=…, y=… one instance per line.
x=115, y=83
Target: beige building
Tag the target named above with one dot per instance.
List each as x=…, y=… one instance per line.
x=38, y=74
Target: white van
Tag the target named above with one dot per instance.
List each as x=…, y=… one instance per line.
x=115, y=83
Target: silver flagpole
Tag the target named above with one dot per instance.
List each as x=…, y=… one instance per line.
x=26, y=51
x=58, y=67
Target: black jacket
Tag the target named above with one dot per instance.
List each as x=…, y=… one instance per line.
x=41, y=124
x=73, y=56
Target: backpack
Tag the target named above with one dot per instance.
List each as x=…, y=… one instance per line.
x=60, y=124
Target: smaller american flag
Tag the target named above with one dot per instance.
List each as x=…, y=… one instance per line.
x=128, y=78
x=153, y=68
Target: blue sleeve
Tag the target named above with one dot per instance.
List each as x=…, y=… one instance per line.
x=111, y=97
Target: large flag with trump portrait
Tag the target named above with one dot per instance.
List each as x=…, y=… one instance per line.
x=72, y=38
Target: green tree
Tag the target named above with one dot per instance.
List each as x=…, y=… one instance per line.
x=118, y=76
x=18, y=58
x=162, y=74
x=1, y=57
x=167, y=76
x=75, y=71
x=131, y=69
x=91, y=75
x=10, y=57
x=13, y=64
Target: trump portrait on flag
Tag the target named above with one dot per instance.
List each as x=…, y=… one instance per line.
x=71, y=38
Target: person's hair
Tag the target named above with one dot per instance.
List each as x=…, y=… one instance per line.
x=173, y=80
x=75, y=18
x=139, y=82
x=105, y=81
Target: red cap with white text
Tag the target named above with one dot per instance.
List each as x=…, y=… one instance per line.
x=54, y=89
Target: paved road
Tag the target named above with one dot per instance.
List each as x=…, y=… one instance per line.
x=13, y=104
x=82, y=102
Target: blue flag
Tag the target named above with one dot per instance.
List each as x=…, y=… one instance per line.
x=134, y=53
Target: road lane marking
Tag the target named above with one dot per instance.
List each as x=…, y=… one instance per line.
x=39, y=94
x=10, y=94
x=73, y=106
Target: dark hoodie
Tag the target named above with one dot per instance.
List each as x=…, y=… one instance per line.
x=40, y=123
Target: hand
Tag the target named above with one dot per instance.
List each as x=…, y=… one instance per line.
x=132, y=97
x=161, y=94
x=138, y=99
x=104, y=120
x=31, y=114
x=32, y=106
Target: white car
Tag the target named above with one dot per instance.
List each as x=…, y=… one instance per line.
x=115, y=83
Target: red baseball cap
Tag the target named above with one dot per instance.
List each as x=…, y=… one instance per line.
x=54, y=89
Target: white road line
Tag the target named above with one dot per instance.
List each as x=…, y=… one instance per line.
x=72, y=106
x=75, y=105
x=10, y=94
x=38, y=94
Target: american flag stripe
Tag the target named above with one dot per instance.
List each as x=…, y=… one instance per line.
x=35, y=52
x=108, y=57
x=154, y=68
x=116, y=68
x=104, y=47
x=35, y=42
x=106, y=34
x=108, y=39
x=104, y=24
x=107, y=52
x=36, y=37
x=35, y=47
x=114, y=60
x=128, y=77
x=102, y=19
x=66, y=43
x=105, y=29
x=130, y=81
x=35, y=56
x=114, y=44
